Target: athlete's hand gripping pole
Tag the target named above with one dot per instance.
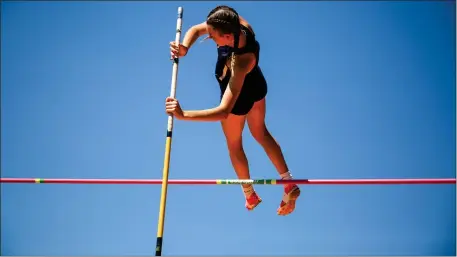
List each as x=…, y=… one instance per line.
x=163, y=196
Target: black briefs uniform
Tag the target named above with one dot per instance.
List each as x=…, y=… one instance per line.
x=254, y=86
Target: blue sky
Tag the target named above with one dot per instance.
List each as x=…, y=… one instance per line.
x=356, y=90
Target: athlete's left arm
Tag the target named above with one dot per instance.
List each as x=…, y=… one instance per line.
x=243, y=65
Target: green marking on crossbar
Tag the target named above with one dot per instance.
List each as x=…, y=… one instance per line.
x=246, y=181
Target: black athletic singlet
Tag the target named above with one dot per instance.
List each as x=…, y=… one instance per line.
x=254, y=86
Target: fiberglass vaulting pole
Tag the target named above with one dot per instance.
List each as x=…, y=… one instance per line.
x=163, y=197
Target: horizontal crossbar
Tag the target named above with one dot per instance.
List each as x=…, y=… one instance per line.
x=233, y=181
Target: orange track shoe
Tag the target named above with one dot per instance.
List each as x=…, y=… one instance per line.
x=287, y=206
x=252, y=201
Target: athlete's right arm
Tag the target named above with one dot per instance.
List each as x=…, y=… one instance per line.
x=191, y=36
x=194, y=33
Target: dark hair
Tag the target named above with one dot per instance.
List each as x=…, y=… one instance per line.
x=225, y=20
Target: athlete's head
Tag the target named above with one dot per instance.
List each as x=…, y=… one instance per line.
x=224, y=26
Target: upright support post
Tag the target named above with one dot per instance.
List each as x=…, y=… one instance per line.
x=163, y=196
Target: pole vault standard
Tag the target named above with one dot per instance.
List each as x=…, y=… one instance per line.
x=166, y=162
x=390, y=181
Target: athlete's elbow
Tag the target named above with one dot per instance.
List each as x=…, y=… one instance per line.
x=224, y=112
x=225, y=115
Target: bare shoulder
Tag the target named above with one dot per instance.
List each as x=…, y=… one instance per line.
x=245, y=23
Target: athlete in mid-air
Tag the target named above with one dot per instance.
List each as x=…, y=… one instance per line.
x=243, y=90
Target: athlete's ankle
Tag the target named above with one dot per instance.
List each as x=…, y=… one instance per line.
x=286, y=175
x=248, y=190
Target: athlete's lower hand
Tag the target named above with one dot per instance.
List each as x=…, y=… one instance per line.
x=172, y=107
x=177, y=50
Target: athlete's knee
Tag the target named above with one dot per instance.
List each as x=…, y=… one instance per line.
x=260, y=133
x=234, y=144
x=236, y=151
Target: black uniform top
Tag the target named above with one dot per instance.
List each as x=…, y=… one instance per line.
x=254, y=86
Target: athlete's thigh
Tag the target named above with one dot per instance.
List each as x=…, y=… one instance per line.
x=233, y=127
x=256, y=117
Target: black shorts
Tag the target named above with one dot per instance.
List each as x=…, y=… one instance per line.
x=246, y=99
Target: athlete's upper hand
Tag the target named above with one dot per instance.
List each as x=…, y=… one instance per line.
x=177, y=50
x=172, y=107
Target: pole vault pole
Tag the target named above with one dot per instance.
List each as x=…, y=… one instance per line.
x=166, y=162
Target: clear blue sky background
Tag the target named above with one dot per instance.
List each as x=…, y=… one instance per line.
x=356, y=90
